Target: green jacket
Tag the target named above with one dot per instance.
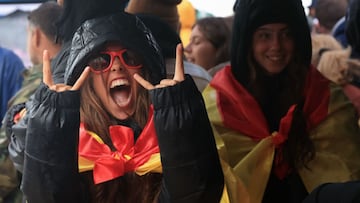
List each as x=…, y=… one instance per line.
x=32, y=79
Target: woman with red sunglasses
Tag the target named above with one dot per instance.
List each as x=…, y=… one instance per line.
x=142, y=138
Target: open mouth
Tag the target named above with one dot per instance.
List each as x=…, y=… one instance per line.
x=120, y=91
x=191, y=60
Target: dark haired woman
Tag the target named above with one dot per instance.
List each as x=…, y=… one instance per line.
x=282, y=128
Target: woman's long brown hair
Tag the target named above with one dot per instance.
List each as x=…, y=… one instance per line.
x=298, y=149
x=130, y=187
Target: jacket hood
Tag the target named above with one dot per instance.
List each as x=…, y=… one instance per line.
x=251, y=14
x=124, y=28
x=352, y=28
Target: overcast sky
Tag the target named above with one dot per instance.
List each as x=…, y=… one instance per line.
x=223, y=7
x=215, y=7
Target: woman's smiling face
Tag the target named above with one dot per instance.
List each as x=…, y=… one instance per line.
x=116, y=86
x=273, y=47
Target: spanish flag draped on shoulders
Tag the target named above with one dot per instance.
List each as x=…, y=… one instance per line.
x=141, y=156
x=247, y=147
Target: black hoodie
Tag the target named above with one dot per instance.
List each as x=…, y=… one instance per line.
x=251, y=14
x=274, y=93
x=93, y=34
x=190, y=163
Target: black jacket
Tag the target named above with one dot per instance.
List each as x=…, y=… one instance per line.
x=191, y=167
x=185, y=138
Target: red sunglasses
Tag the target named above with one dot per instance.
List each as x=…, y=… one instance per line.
x=104, y=60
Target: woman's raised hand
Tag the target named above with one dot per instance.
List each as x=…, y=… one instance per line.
x=178, y=76
x=47, y=77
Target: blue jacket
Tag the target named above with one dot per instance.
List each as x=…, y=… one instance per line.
x=11, y=68
x=339, y=32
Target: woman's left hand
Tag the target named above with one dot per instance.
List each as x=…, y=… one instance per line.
x=178, y=76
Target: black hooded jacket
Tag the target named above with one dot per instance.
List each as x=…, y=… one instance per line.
x=250, y=14
x=272, y=92
x=191, y=167
x=93, y=34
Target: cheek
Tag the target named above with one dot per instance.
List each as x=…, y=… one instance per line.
x=29, y=45
x=258, y=51
x=289, y=49
x=99, y=86
x=206, y=52
x=211, y=51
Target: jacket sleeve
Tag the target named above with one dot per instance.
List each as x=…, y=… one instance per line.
x=50, y=171
x=9, y=180
x=191, y=167
x=16, y=133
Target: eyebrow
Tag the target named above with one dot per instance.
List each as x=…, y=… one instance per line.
x=198, y=37
x=269, y=29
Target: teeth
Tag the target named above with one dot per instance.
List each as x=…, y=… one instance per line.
x=275, y=58
x=119, y=82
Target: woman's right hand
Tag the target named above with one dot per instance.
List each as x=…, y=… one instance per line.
x=47, y=77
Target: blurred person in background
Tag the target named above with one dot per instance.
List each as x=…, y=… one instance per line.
x=330, y=15
x=311, y=17
x=11, y=78
x=348, y=62
x=342, y=66
x=209, y=45
x=41, y=35
x=321, y=43
x=163, y=20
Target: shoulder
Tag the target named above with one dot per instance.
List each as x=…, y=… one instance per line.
x=218, y=67
x=7, y=53
x=9, y=58
x=196, y=70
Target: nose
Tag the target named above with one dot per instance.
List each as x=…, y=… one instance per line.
x=117, y=65
x=276, y=42
x=187, y=49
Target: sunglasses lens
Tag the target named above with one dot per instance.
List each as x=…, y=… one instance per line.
x=101, y=62
x=131, y=59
